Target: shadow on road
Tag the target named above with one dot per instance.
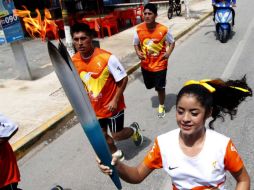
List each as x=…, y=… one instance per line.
x=130, y=150
x=170, y=101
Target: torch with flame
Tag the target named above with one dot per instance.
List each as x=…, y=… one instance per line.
x=38, y=27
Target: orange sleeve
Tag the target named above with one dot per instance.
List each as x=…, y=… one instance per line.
x=153, y=158
x=232, y=160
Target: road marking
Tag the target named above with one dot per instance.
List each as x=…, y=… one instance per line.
x=46, y=65
x=228, y=71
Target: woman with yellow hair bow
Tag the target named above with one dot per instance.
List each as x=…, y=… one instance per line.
x=196, y=157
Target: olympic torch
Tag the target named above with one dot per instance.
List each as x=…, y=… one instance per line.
x=80, y=102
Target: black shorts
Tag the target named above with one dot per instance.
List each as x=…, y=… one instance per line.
x=13, y=186
x=114, y=123
x=155, y=80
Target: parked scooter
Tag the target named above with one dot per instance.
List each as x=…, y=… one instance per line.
x=174, y=5
x=223, y=20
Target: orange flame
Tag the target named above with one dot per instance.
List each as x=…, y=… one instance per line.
x=36, y=27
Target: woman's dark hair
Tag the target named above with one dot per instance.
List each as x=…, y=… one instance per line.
x=224, y=100
x=151, y=7
x=81, y=27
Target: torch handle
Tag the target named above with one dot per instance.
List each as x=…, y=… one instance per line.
x=96, y=138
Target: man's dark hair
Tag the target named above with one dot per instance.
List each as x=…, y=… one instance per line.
x=81, y=27
x=151, y=7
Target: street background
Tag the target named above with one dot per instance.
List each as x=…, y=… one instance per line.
x=67, y=158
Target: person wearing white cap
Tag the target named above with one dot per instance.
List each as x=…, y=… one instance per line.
x=9, y=171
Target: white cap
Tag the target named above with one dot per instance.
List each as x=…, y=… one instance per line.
x=7, y=127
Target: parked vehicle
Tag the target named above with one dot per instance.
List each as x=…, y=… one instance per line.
x=223, y=20
x=174, y=5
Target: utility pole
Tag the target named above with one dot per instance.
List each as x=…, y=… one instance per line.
x=67, y=29
x=21, y=62
x=13, y=34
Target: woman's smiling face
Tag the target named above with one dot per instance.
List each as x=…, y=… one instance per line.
x=190, y=115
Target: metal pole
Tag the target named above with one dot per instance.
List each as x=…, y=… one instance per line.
x=21, y=62
x=145, y=1
x=67, y=29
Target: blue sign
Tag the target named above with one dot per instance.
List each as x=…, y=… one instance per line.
x=10, y=23
x=111, y=2
x=2, y=38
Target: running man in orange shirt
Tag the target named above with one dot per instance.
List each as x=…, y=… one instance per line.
x=153, y=44
x=105, y=80
x=196, y=157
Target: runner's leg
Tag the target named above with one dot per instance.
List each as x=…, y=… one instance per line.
x=104, y=125
x=161, y=96
x=120, y=133
x=160, y=84
x=117, y=129
x=12, y=186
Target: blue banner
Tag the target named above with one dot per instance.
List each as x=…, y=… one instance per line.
x=2, y=38
x=10, y=23
x=111, y=2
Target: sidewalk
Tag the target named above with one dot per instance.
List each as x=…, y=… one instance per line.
x=38, y=105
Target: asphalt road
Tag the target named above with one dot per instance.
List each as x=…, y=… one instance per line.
x=68, y=160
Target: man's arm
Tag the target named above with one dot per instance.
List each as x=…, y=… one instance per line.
x=139, y=52
x=121, y=85
x=169, y=50
x=170, y=41
x=137, y=47
x=121, y=79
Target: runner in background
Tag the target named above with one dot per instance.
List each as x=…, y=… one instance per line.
x=105, y=80
x=154, y=44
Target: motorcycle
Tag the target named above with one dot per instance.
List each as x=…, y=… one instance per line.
x=223, y=20
x=174, y=5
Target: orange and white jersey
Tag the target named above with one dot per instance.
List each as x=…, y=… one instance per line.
x=100, y=75
x=153, y=45
x=205, y=171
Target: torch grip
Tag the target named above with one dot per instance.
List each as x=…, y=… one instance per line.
x=96, y=138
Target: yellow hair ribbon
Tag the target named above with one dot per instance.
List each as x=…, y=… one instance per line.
x=239, y=88
x=202, y=83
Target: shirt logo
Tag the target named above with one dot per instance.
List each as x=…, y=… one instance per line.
x=214, y=164
x=119, y=69
x=233, y=149
x=99, y=64
x=2, y=125
x=172, y=168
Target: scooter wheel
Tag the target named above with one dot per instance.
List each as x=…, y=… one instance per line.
x=170, y=12
x=178, y=9
x=223, y=35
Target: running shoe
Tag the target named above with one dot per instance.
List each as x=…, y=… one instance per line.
x=119, y=154
x=58, y=187
x=137, y=137
x=161, y=111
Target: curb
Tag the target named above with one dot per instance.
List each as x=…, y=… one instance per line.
x=22, y=146
x=182, y=33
